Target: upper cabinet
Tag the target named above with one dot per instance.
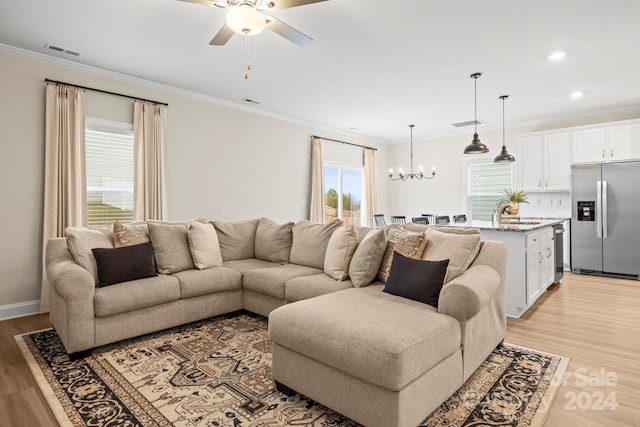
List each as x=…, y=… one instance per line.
x=607, y=143
x=546, y=162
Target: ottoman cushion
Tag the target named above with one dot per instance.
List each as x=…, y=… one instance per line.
x=380, y=338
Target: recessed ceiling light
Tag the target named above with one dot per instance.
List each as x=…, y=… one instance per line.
x=577, y=95
x=556, y=56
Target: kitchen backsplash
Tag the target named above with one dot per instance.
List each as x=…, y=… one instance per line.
x=547, y=205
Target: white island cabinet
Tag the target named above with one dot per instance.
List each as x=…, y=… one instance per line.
x=530, y=259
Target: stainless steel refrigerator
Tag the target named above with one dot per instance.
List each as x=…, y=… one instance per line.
x=605, y=219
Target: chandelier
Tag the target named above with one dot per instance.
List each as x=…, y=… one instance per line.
x=402, y=176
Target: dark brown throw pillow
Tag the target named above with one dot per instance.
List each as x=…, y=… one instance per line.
x=117, y=265
x=416, y=279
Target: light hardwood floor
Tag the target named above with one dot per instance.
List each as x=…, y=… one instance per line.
x=593, y=320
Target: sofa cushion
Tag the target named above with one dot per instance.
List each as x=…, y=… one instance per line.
x=451, y=229
x=273, y=241
x=416, y=279
x=244, y=265
x=117, y=265
x=310, y=242
x=380, y=338
x=237, y=239
x=204, y=246
x=194, y=283
x=129, y=234
x=271, y=281
x=82, y=240
x=312, y=286
x=135, y=295
x=402, y=241
x=342, y=244
x=366, y=260
x=171, y=247
x=459, y=249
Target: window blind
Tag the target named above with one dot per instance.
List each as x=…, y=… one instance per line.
x=109, y=159
x=486, y=183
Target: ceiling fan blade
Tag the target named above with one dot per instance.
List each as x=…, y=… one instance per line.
x=222, y=37
x=288, y=32
x=285, y=4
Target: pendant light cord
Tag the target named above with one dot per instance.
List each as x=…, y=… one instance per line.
x=475, y=104
x=503, y=146
x=411, y=127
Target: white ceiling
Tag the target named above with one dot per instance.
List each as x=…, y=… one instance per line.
x=375, y=66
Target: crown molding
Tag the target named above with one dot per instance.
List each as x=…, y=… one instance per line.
x=172, y=90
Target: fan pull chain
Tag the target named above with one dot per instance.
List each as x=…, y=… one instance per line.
x=246, y=53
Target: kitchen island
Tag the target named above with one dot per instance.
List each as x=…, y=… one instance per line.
x=530, y=258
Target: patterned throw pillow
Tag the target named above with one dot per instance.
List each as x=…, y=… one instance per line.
x=404, y=242
x=129, y=234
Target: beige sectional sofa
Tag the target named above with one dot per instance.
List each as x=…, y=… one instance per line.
x=376, y=357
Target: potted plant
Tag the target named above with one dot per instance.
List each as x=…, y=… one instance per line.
x=514, y=198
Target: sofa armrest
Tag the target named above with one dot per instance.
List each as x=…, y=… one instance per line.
x=68, y=279
x=464, y=296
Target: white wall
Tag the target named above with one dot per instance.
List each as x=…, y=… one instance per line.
x=445, y=194
x=223, y=163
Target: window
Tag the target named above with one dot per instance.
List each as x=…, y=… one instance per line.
x=486, y=181
x=109, y=159
x=343, y=193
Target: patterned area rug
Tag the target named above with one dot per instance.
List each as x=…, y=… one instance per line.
x=217, y=373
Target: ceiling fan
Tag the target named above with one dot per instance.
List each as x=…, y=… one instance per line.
x=249, y=17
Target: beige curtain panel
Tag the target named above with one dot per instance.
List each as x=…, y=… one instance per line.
x=317, y=181
x=370, y=190
x=150, y=152
x=65, y=187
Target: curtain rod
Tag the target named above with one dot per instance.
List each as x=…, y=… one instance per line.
x=344, y=142
x=104, y=91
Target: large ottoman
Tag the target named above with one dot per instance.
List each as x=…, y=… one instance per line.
x=376, y=358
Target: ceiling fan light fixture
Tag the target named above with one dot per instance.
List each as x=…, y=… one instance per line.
x=245, y=19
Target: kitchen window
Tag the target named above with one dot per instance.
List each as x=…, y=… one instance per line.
x=109, y=163
x=485, y=183
x=343, y=193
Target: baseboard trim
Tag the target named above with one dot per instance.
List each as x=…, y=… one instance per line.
x=21, y=309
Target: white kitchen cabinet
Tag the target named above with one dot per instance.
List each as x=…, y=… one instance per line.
x=546, y=162
x=531, y=162
x=590, y=145
x=607, y=143
x=624, y=142
x=539, y=263
x=530, y=263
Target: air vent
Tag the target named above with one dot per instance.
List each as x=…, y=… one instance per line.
x=470, y=123
x=251, y=101
x=61, y=50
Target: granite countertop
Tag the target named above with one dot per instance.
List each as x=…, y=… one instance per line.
x=510, y=226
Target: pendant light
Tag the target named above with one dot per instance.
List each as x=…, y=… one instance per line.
x=476, y=147
x=504, y=156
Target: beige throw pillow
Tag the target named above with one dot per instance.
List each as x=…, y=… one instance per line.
x=237, y=239
x=129, y=234
x=340, y=250
x=366, y=260
x=310, y=242
x=273, y=241
x=459, y=249
x=170, y=247
x=82, y=240
x=406, y=243
x=204, y=246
